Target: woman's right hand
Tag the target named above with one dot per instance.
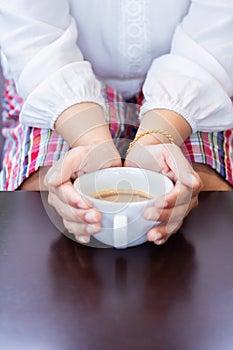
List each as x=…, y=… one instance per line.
x=79, y=217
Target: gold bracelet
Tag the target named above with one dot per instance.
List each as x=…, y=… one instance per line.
x=147, y=132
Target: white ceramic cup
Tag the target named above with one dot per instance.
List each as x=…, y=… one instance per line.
x=123, y=224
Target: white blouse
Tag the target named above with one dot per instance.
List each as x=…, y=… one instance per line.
x=179, y=51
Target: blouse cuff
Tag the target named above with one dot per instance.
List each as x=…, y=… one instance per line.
x=181, y=85
x=72, y=84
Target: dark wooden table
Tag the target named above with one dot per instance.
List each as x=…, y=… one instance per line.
x=57, y=294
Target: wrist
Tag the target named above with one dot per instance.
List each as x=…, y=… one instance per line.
x=168, y=121
x=83, y=124
x=151, y=137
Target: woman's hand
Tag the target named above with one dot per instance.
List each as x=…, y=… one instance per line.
x=170, y=210
x=79, y=217
x=85, y=129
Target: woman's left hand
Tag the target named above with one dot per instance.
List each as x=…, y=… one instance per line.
x=171, y=209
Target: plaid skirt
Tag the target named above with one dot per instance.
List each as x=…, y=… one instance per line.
x=26, y=148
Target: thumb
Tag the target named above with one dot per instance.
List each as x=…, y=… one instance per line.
x=66, y=167
x=180, y=166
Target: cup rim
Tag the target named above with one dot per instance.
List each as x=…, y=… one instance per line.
x=92, y=199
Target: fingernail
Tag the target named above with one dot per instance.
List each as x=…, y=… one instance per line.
x=151, y=214
x=92, y=229
x=157, y=236
x=161, y=241
x=91, y=216
x=83, y=239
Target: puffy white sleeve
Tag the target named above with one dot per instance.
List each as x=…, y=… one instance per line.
x=38, y=39
x=196, y=78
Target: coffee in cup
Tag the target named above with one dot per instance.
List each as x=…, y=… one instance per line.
x=122, y=195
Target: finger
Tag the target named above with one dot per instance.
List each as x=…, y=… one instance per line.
x=176, y=213
x=165, y=215
x=74, y=214
x=82, y=239
x=181, y=167
x=169, y=220
x=179, y=200
x=180, y=194
x=172, y=223
x=67, y=194
x=79, y=229
x=193, y=204
x=160, y=234
x=162, y=240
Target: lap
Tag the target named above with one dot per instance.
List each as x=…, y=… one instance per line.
x=210, y=178
x=35, y=182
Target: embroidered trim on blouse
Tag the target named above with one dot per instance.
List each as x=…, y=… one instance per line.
x=134, y=35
